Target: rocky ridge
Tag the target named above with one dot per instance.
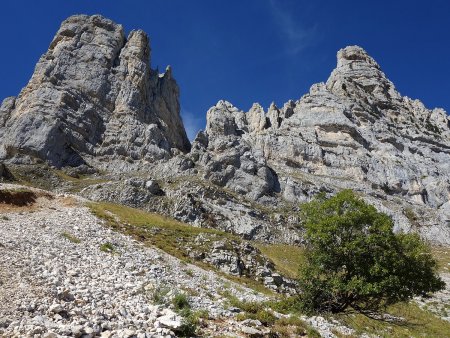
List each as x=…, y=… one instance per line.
x=94, y=103
x=353, y=132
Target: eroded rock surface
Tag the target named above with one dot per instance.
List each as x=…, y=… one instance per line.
x=94, y=102
x=354, y=131
x=93, y=98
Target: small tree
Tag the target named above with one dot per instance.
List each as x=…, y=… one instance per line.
x=354, y=259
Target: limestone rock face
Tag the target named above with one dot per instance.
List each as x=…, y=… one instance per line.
x=93, y=98
x=94, y=101
x=354, y=131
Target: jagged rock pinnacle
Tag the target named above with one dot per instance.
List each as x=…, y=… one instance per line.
x=351, y=54
x=93, y=95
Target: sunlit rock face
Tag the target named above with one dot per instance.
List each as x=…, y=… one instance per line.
x=93, y=98
x=354, y=131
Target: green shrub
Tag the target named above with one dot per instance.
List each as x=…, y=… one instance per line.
x=267, y=318
x=286, y=305
x=189, y=324
x=354, y=259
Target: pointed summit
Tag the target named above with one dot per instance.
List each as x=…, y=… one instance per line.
x=354, y=54
x=358, y=75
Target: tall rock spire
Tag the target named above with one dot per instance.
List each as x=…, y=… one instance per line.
x=93, y=98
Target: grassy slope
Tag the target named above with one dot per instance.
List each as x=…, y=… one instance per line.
x=169, y=235
x=287, y=258
x=416, y=323
x=173, y=237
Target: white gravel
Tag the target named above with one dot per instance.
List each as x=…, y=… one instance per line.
x=52, y=287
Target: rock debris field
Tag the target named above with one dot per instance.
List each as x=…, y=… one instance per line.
x=63, y=273
x=52, y=286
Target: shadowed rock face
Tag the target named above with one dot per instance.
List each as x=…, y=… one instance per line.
x=93, y=98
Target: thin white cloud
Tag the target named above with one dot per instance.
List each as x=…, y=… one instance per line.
x=295, y=36
x=192, y=123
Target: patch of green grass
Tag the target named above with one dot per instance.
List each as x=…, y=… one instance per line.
x=204, y=314
x=287, y=327
x=159, y=295
x=107, y=247
x=411, y=322
x=169, y=235
x=44, y=177
x=189, y=324
x=442, y=255
x=190, y=320
x=286, y=305
x=71, y=237
x=339, y=334
x=250, y=307
x=181, y=302
x=5, y=218
x=287, y=258
x=266, y=317
x=79, y=183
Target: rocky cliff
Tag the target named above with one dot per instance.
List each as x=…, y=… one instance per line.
x=354, y=131
x=94, y=100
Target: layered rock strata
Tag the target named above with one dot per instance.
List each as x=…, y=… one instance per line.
x=354, y=131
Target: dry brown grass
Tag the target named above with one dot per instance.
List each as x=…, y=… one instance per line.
x=22, y=199
x=68, y=201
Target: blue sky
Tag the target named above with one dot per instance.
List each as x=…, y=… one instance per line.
x=249, y=51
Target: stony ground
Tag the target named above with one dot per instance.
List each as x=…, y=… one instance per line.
x=439, y=303
x=63, y=273
x=51, y=285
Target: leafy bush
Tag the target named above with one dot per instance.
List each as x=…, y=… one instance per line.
x=354, y=259
x=286, y=305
